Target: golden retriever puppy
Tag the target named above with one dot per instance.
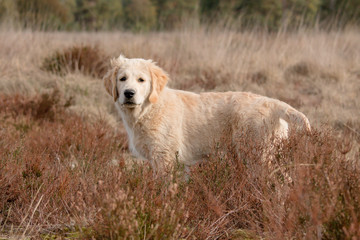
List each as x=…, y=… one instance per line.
x=166, y=125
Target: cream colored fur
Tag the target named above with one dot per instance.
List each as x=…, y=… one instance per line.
x=165, y=125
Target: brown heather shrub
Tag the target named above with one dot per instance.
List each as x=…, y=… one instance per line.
x=66, y=176
x=44, y=106
x=86, y=59
x=137, y=205
x=309, y=190
x=46, y=164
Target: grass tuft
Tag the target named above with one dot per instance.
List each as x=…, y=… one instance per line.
x=86, y=59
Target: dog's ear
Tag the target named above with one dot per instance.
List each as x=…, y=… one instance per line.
x=110, y=83
x=159, y=78
x=110, y=77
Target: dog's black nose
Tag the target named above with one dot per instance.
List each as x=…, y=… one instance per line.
x=129, y=93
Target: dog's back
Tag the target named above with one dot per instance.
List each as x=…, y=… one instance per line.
x=209, y=118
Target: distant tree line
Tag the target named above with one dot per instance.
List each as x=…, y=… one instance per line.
x=170, y=14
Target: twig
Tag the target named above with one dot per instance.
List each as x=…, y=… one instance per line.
x=32, y=215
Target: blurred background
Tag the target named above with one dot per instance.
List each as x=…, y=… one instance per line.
x=140, y=15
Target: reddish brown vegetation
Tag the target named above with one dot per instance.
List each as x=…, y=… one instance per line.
x=49, y=157
x=61, y=173
x=310, y=189
x=46, y=106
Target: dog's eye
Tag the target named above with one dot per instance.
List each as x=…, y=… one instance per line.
x=123, y=79
x=141, y=80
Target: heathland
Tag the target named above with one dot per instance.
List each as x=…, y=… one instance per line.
x=65, y=170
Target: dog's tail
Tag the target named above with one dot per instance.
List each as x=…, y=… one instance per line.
x=298, y=119
x=287, y=118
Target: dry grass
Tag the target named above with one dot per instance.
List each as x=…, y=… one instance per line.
x=317, y=72
x=85, y=59
x=65, y=172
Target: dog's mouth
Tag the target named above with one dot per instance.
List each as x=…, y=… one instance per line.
x=129, y=104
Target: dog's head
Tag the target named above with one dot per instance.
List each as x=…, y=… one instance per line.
x=132, y=82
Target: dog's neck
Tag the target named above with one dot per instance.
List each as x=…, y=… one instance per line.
x=132, y=116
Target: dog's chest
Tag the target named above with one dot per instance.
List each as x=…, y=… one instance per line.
x=134, y=142
x=138, y=142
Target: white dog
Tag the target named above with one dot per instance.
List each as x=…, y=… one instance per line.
x=166, y=125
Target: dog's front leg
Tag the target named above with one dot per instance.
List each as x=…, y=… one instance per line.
x=162, y=161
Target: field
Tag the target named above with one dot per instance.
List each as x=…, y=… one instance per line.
x=65, y=170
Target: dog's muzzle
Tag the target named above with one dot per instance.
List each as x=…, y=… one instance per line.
x=129, y=101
